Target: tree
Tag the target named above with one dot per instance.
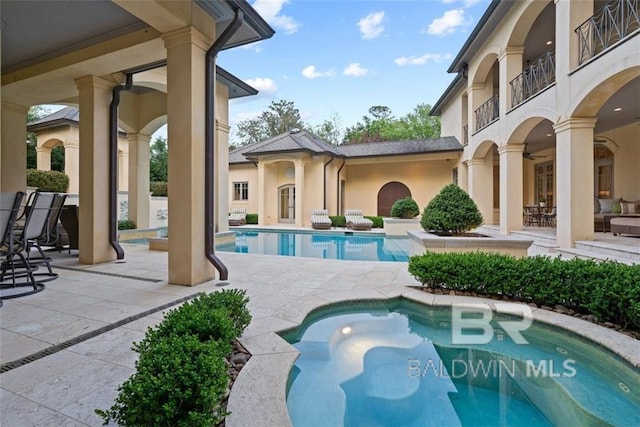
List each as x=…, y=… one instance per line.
x=158, y=160
x=330, y=130
x=33, y=114
x=280, y=117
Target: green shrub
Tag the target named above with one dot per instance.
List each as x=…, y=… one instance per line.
x=338, y=221
x=181, y=373
x=405, y=208
x=252, y=218
x=53, y=181
x=126, y=224
x=378, y=222
x=158, y=188
x=452, y=211
x=608, y=290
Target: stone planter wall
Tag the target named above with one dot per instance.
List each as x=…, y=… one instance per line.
x=400, y=226
x=421, y=241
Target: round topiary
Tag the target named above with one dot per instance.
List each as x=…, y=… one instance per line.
x=405, y=208
x=452, y=211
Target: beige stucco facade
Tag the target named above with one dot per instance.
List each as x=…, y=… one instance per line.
x=534, y=105
x=160, y=48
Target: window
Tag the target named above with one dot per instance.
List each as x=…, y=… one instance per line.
x=240, y=191
x=454, y=176
x=544, y=183
x=603, y=172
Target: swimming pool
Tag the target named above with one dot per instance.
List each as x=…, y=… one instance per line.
x=343, y=246
x=394, y=364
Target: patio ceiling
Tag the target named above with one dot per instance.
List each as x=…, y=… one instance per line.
x=44, y=43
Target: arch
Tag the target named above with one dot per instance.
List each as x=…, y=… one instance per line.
x=522, y=26
x=483, y=148
x=478, y=74
x=51, y=143
x=522, y=130
x=592, y=98
x=388, y=194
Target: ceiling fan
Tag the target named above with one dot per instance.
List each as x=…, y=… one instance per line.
x=527, y=155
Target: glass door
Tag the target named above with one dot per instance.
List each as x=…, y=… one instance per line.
x=287, y=204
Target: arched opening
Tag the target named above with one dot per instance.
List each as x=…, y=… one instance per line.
x=603, y=171
x=388, y=194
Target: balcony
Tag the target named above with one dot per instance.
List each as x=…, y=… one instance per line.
x=611, y=24
x=465, y=135
x=487, y=113
x=538, y=76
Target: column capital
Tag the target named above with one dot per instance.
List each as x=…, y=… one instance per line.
x=475, y=86
x=511, y=148
x=475, y=162
x=575, y=123
x=90, y=82
x=138, y=138
x=223, y=127
x=43, y=149
x=186, y=35
x=71, y=144
x=510, y=50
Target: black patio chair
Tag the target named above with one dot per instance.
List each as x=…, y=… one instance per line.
x=48, y=235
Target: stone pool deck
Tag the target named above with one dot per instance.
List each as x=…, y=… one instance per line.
x=64, y=387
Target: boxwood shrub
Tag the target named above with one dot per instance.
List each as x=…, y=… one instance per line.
x=252, y=218
x=338, y=221
x=378, y=222
x=405, y=208
x=609, y=290
x=158, y=188
x=53, y=181
x=181, y=373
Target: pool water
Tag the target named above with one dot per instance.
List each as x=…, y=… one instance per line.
x=341, y=246
x=371, y=364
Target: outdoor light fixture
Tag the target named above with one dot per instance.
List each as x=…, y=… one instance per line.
x=617, y=109
x=549, y=42
x=346, y=330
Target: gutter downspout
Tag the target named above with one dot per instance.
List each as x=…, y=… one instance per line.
x=209, y=142
x=338, y=185
x=113, y=164
x=324, y=183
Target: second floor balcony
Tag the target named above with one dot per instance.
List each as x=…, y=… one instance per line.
x=611, y=24
x=487, y=113
x=534, y=79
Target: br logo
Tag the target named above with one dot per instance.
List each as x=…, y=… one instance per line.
x=474, y=319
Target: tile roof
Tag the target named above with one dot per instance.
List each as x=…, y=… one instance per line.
x=66, y=114
x=395, y=148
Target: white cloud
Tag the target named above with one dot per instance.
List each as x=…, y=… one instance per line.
x=447, y=23
x=371, y=25
x=421, y=60
x=270, y=11
x=310, y=72
x=355, y=70
x=465, y=3
x=265, y=86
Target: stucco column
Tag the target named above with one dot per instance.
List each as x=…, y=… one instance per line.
x=186, y=50
x=262, y=212
x=94, y=100
x=463, y=176
x=569, y=16
x=299, y=192
x=221, y=190
x=123, y=170
x=511, y=182
x=139, y=179
x=574, y=181
x=13, y=142
x=481, y=185
x=72, y=165
x=43, y=158
x=510, y=64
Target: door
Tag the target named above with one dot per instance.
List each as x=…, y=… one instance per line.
x=388, y=194
x=287, y=204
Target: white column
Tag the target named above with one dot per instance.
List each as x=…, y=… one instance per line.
x=262, y=212
x=72, y=165
x=299, y=189
x=510, y=63
x=43, y=158
x=511, y=183
x=574, y=180
x=139, y=179
x=481, y=186
x=95, y=97
x=13, y=143
x=221, y=190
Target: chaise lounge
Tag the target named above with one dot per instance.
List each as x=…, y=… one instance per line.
x=237, y=217
x=356, y=221
x=626, y=225
x=320, y=219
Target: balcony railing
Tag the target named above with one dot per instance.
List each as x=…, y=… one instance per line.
x=614, y=22
x=465, y=134
x=535, y=78
x=487, y=113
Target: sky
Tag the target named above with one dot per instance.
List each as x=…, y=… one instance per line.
x=341, y=57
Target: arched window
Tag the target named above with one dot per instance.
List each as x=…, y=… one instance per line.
x=388, y=194
x=603, y=173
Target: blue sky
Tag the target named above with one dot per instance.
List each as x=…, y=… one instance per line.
x=339, y=58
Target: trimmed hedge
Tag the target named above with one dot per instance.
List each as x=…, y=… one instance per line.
x=608, y=290
x=158, y=188
x=338, y=221
x=252, y=218
x=126, y=224
x=405, y=208
x=53, y=181
x=181, y=374
x=378, y=222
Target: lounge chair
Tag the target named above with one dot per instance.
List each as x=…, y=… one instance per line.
x=320, y=219
x=238, y=216
x=356, y=221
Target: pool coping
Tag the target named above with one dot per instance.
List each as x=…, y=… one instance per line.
x=259, y=392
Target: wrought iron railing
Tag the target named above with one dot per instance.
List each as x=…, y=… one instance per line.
x=487, y=113
x=536, y=77
x=614, y=22
x=465, y=134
